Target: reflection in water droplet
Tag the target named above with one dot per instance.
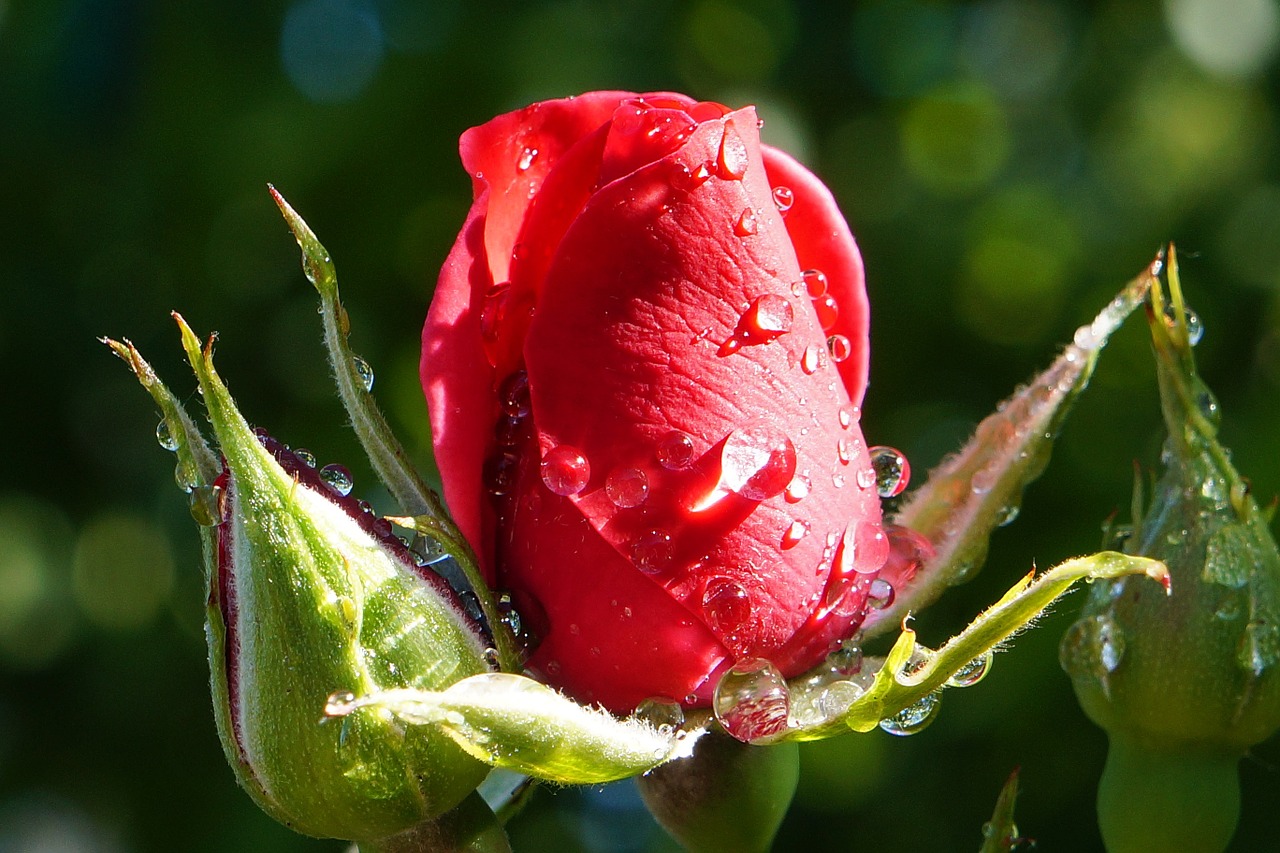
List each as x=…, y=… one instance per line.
x=839, y=348
x=757, y=462
x=1195, y=328
x=752, y=702
x=651, y=551
x=166, y=438
x=203, y=501
x=866, y=478
x=306, y=457
x=185, y=474
x=675, y=451
x=662, y=713
x=798, y=489
x=726, y=605
x=828, y=311
x=627, y=487
x=746, y=225
x=500, y=471
x=914, y=718
x=871, y=547
x=565, y=470
x=793, y=534
x=783, y=199
x=813, y=359
x=815, y=283
x=768, y=317
x=880, y=594
x=731, y=163
x=364, y=371
x=1093, y=647
x=338, y=478
x=892, y=471
x=972, y=672
x=513, y=395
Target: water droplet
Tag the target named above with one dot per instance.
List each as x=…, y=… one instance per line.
x=972, y=672
x=726, y=605
x=675, y=451
x=846, y=660
x=871, y=547
x=364, y=371
x=866, y=478
x=1093, y=647
x=565, y=470
x=731, y=163
x=493, y=660
x=793, y=534
x=1006, y=515
x=836, y=697
x=1207, y=403
x=166, y=438
x=783, y=199
x=500, y=472
x=662, y=713
x=880, y=594
x=815, y=283
x=746, y=225
x=846, y=448
x=798, y=489
x=627, y=487
x=812, y=359
x=493, y=312
x=1230, y=607
x=848, y=414
x=768, y=317
x=752, y=702
x=757, y=462
x=1195, y=328
x=185, y=474
x=527, y=156
x=204, y=503
x=914, y=718
x=339, y=703
x=338, y=478
x=513, y=395
x=828, y=311
x=839, y=348
x=892, y=471
x=687, y=179
x=652, y=551
x=306, y=457
x=1259, y=647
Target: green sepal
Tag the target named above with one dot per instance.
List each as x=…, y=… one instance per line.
x=386, y=454
x=911, y=674
x=318, y=605
x=516, y=723
x=1000, y=834
x=728, y=797
x=980, y=488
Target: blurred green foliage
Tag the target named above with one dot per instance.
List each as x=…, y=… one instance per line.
x=1005, y=165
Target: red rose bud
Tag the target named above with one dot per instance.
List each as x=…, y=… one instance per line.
x=1183, y=684
x=309, y=593
x=644, y=361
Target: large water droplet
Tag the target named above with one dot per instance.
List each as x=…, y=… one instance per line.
x=746, y=225
x=783, y=199
x=815, y=283
x=627, y=487
x=839, y=347
x=892, y=471
x=204, y=503
x=914, y=718
x=880, y=594
x=338, y=478
x=364, y=371
x=757, y=462
x=768, y=317
x=565, y=470
x=793, y=534
x=828, y=311
x=166, y=438
x=185, y=474
x=306, y=457
x=500, y=472
x=731, y=163
x=752, y=702
x=972, y=672
x=798, y=489
x=662, y=713
x=812, y=359
x=652, y=551
x=1093, y=647
x=726, y=605
x=675, y=451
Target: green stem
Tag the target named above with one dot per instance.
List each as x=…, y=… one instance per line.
x=469, y=828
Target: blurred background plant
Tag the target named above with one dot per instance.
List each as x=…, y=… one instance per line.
x=1005, y=165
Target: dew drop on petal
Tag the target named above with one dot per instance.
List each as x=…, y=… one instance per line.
x=166, y=438
x=726, y=605
x=914, y=718
x=687, y=179
x=731, y=163
x=839, y=348
x=845, y=449
x=662, y=713
x=880, y=594
x=338, y=478
x=783, y=198
x=848, y=414
x=828, y=311
x=767, y=317
x=752, y=702
x=527, y=156
x=815, y=283
x=364, y=371
x=812, y=359
x=652, y=551
x=493, y=312
x=513, y=395
x=675, y=451
x=500, y=471
x=627, y=487
x=793, y=534
x=565, y=470
x=866, y=478
x=746, y=225
x=892, y=471
x=757, y=462
x=973, y=671
x=798, y=489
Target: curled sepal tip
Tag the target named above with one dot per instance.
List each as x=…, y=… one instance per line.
x=515, y=723
x=980, y=487
x=910, y=674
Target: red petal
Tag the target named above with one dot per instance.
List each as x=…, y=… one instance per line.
x=822, y=240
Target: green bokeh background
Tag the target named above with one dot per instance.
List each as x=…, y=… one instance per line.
x=1005, y=165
